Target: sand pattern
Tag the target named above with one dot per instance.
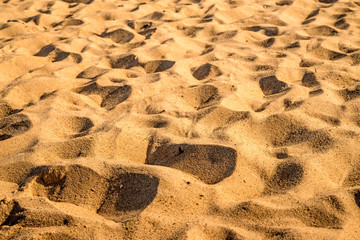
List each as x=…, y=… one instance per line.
x=179, y=119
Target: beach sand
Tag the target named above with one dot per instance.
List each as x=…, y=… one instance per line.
x=179, y=119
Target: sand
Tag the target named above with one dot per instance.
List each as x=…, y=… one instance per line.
x=179, y=119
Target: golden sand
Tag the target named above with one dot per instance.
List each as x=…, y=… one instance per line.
x=179, y=119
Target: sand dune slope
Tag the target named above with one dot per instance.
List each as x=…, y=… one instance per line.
x=179, y=119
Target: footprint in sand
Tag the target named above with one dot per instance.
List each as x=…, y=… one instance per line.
x=210, y=163
x=342, y=24
x=326, y=54
x=57, y=55
x=353, y=178
x=283, y=130
x=118, y=197
x=266, y=43
x=119, y=36
x=357, y=198
x=271, y=85
x=224, y=36
x=309, y=80
x=287, y=175
x=124, y=61
x=349, y=94
x=128, y=194
x=206, y=70
x=143, y=28
x=322, y=30
x=92, y=72
x=14, y=125
x=5, y=110
x=111, y=95
x=158, y=66
x=327, y=1
x=284, y=2
x=268, y=31
x=201, y=96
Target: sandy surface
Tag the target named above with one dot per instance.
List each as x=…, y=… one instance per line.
x=179, y=119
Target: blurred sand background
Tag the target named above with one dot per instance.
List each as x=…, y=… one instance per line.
x=179, y=119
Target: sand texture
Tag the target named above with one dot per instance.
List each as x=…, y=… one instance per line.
x=180, y=119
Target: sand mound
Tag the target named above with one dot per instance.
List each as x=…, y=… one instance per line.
x=179, y=119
